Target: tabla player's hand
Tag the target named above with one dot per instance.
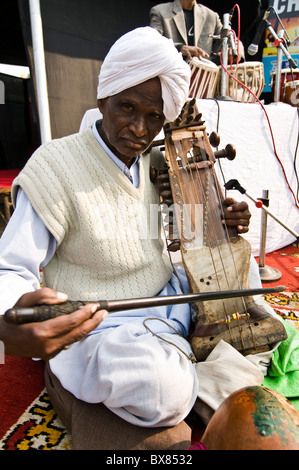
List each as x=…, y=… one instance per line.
x=237, y=215
x=46, y=339
x=193, y=51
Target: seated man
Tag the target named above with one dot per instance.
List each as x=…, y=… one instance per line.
x=78, y=205
x=191, y=26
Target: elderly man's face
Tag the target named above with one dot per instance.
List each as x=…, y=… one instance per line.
x=132, y=119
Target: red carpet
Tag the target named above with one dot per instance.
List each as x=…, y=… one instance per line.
x=21, y=381
x=286, y=261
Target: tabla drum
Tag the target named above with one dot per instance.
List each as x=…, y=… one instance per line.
x=291, y=93
x=288, y=86
x=251, y=74
x=204, y=78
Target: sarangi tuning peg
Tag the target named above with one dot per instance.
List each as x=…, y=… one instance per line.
x=229, y=152
x=214, y=139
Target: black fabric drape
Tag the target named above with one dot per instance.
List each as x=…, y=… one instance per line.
x=77, y=36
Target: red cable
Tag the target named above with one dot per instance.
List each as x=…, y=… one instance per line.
x=239, y=32
x=263, y=107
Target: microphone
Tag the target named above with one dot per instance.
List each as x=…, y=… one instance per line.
x=254, y=47
x=231, y=41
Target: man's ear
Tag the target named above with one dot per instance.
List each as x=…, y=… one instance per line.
x=101, y=104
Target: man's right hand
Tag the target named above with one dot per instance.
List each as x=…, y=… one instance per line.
x=46, y=339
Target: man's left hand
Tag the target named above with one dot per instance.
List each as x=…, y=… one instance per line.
x=237, y=215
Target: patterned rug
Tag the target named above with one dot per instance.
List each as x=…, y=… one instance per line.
x=27, y=418
x=38, y=428
x=285, y=304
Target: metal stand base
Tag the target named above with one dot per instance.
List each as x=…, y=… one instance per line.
x=269, y=274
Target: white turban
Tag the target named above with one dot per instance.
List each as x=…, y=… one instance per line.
x=143, y=54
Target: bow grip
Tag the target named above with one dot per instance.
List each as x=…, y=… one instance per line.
x=41, y=312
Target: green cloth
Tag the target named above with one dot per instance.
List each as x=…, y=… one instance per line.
x=283, y=373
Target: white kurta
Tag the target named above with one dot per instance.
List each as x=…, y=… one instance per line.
x=121, y=364
x=145, y=379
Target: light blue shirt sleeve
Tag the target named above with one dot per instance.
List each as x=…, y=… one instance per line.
x=25, y=247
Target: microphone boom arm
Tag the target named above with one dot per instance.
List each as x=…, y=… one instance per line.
x=279, y=43
x=234, y=184
x=265, y=24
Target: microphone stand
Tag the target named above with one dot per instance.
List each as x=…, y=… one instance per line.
x=234, y=184
x=279, y=44
x=267, y=273
x=226, y=40
x=278, y=70
x=224, y=37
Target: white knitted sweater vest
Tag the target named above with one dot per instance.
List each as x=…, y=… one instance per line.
x=107, y=242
